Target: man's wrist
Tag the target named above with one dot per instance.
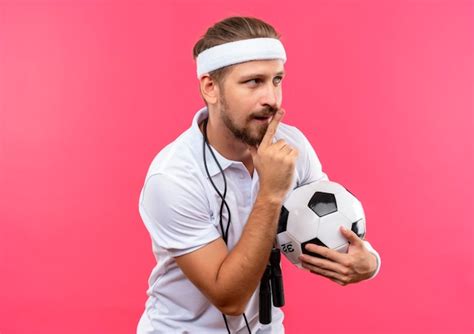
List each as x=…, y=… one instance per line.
x=269, y=198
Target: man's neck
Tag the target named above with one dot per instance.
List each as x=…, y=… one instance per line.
x=227, y=145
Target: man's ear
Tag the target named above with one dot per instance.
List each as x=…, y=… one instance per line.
x=209, y=89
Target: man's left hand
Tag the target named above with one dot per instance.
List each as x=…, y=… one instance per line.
x=343, y=268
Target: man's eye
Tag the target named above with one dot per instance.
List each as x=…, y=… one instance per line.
x=278, y=79
x=252, y=81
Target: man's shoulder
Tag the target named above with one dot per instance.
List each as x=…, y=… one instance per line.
x=291, y=134
x=178, y=158
x=288, y=130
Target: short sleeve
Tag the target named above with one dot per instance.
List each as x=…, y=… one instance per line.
x=312, y=169
x=176, y=213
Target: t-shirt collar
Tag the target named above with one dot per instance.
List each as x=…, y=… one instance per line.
x=213, y=168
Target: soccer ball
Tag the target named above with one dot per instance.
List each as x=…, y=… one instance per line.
x=313, y=214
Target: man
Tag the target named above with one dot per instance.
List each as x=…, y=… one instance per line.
x=212, y=198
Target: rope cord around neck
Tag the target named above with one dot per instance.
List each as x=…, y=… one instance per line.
x=223, y=202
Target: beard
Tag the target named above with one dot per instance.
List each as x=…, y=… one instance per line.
x=245, y=133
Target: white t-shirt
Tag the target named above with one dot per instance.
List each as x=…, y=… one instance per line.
x=180, y=210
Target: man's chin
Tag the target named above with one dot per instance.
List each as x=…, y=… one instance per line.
x=254, y=141
x=253, y=135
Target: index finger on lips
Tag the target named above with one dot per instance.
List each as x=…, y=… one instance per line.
x=272, y=127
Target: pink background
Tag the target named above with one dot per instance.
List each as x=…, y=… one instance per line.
x=90, y=91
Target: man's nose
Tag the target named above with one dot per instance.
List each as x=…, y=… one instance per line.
x=270, y=96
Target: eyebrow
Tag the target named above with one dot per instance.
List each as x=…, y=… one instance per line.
x=258, y=75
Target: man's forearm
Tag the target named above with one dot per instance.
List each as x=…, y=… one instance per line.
x=242, y=269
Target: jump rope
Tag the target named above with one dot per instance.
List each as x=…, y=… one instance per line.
x=271, y=283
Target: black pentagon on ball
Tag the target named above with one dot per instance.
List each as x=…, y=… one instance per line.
x=356, y=228
x=283, y=220
x=314, y=241
x=323, y=203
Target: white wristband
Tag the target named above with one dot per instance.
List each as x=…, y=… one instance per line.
x=373, y=251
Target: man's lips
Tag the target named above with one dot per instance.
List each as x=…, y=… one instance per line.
x=263, y=118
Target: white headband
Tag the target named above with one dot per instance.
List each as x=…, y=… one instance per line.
x=238, y=52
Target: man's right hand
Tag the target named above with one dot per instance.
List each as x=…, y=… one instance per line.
x=274, y=162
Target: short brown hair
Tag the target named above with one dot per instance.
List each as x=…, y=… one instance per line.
x=232, y=29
